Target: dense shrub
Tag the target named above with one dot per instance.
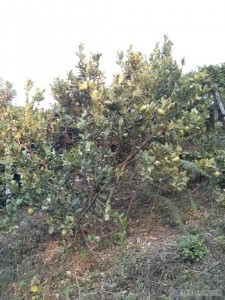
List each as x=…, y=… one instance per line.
x=149, y=126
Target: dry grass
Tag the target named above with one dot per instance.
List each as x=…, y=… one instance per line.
x=148, y=264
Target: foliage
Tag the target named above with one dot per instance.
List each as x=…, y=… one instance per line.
x=192, y=247
x=195, y=168
x=7, y=93
x=175, y=212
x=120, y=234
x=149, y=126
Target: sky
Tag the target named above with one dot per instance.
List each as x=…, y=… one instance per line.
x=39, y=38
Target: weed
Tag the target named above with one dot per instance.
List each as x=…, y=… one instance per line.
x=5, y=222
x=69, y=290
x=174, y=211
x=186, y=275
x=121, y=277
x=120, y=234
x=194, y=207
x=219, y=196
x=192, y=247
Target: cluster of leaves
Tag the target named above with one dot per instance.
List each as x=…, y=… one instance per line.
x=75, y=158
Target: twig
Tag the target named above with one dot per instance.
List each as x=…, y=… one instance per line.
x=117, y=150
x=134, y=196
x=78, y=286
x=87, y=209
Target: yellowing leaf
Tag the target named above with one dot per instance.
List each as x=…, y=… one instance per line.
x=121, y=79
x=83, y=86
x=170, y=126
x=17, y=135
